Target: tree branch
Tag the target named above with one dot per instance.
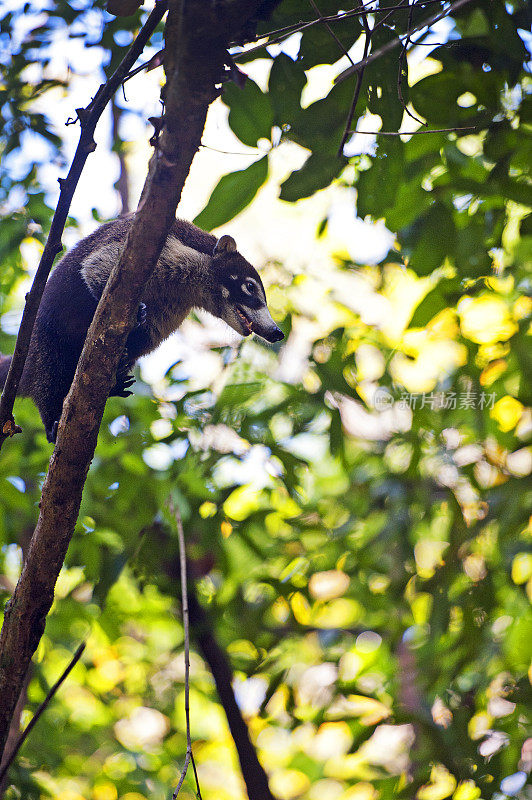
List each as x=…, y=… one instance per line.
x=196, y=41
x=393, y=43
x=358, y=86
x=279, y=35
x=253, y=772
x=88, y=118
x=418, y=132
x=42, y=708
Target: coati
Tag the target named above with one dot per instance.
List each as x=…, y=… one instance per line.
x=194, y=270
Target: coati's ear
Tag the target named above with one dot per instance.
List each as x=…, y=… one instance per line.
x=225, y=244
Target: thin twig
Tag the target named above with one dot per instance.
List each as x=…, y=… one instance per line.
x=282, y=33
x=152, y=63
x=331, y=32
x=358, y=86
x=417, y=133
x=230, y=152
x=189, y=756
x=88, y=118
x=396, y=42
x=42, y=708
x=402, y=60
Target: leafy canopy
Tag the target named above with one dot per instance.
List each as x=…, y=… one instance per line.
x=358, y=519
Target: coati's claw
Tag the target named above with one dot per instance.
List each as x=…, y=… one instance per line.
x=142, y=315
x=124, y=378
x=120, y=389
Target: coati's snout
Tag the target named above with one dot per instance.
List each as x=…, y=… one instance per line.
x=243, y=299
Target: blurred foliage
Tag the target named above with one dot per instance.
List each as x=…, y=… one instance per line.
x=360, y=534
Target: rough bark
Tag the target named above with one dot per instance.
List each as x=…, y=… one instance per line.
x=197, y=34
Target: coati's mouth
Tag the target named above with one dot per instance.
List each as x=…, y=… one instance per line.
x=246, y=322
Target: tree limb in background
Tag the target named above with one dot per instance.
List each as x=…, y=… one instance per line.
x=402, y=72
x=253, y=773
x=88, y=118
x=196, y=42
x=331, y=32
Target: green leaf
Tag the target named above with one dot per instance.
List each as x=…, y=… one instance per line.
x=232, y=194
x=378, y=186
x=435, y=241
x=444, y=295
x=250, y=112
x=316, y=173
x=286, y=83
x=435, y=98
x=320, y=125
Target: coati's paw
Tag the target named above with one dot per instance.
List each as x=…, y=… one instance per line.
x=119, y=392
x=142, y=315
x=124, y=378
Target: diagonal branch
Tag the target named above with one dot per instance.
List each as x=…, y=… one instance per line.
x=279, y=35
x=196, y=37
x=88, y=118
x=40, y=711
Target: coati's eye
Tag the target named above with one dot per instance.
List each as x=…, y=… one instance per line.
x=250, y=287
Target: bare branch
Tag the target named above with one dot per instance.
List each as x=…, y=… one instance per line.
x=88, y=118
x=393, y=43
x=279, y=35
x=400, y=68
x=418, y=133
x=42, y=708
